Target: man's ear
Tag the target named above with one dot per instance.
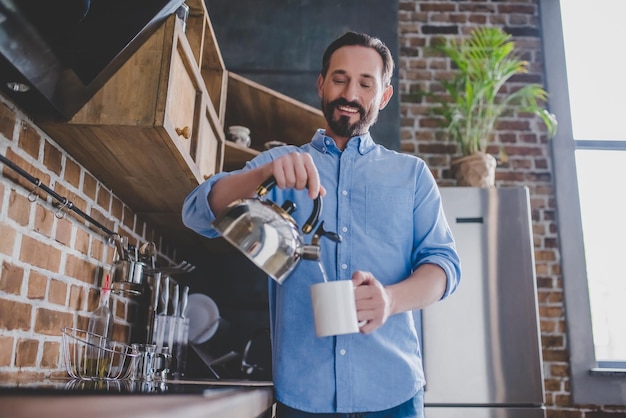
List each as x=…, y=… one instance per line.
x=320, y=81
x=386, y=97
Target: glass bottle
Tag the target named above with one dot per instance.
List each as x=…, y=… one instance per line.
x=101, y=320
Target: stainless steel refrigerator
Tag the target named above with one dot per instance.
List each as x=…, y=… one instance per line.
x=481, y=346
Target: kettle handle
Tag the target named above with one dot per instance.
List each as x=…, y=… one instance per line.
x=266, y=186
x=310, y=223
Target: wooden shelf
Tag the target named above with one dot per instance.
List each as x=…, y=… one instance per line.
x=270, y=115
x=236, y=156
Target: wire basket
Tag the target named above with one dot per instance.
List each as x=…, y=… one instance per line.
x=90, y=356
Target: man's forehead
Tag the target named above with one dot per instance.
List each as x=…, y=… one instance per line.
x=356, y=60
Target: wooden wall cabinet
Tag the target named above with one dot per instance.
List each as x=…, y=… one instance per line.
x=153, y=132
x=156, y=129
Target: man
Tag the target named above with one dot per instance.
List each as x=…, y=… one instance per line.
x=397, y=247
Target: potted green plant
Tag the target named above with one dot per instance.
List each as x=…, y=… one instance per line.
x=473, y=100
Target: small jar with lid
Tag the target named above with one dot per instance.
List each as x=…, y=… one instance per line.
x=240, y=135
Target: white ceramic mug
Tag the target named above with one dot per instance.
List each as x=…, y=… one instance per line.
x=334, y=308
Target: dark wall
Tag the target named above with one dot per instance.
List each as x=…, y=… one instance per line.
x=279, y=43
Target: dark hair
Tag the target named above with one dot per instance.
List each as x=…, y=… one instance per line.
x=361, y=39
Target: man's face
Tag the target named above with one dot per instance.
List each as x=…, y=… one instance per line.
x=352, y=92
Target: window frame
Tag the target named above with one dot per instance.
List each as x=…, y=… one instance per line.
x=590, y=383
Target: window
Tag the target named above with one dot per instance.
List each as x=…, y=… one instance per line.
x=598, y=108
x=588, y=153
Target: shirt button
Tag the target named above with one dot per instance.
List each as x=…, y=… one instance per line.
x=342, y=352
x=327, y=142
x=344, y=229
x=345, y=193
x=344, y=266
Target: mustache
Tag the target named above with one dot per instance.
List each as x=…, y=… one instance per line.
x=344, y=102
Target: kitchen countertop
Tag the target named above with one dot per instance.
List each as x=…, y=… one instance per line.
x=180, y=399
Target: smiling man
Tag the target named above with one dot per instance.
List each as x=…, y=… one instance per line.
x=397, y=247
x=350, y=86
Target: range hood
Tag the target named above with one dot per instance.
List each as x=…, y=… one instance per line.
x=55, y=55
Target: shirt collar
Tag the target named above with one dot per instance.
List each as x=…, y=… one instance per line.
x=363, y=143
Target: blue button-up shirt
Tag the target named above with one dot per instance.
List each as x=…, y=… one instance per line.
x=387, y=208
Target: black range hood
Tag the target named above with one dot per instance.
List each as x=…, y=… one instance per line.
x=56, y=54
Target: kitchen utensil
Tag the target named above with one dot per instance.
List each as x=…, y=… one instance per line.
x=182, y=267
x=106, y=359
x=211, y=362
x=154, y=287
x=168, y=358
x=256, y=360
x=174, y=300
x=148, y=362
x=179, y=348
x=119, y=246
x=160, y=329
x=128, y=276
x=268, y=235
x=125, y=253
x=147, y=252
x=203, y=316
x=172, y=315
x=184, y=301
x=165, y=295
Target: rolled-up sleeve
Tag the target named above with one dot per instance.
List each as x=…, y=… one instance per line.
x=196, y=213
x=433, y=240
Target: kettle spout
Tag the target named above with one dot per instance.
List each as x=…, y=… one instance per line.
x=310, y=252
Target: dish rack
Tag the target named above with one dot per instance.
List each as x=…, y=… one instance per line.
x=90, y=356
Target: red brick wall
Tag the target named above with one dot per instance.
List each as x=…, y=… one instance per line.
x=51, y=267
x=523, y=139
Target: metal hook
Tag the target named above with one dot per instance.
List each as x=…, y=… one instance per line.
x=59, y=214
x=111, y=239
x=32, y=196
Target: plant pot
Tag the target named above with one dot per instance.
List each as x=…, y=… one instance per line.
x=476, y=170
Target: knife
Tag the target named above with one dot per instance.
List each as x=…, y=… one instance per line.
x=184, y=299
x=175, y=299
x=165, y=295
x=156, y=289
x=160, y=320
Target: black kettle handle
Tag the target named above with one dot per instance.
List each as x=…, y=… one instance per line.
x=266, y=186
x=310, y=223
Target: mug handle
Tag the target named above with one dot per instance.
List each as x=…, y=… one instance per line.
x=162, y=363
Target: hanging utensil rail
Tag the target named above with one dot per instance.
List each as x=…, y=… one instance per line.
x=65, y=203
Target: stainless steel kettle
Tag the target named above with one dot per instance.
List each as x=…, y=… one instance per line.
x=268, y=235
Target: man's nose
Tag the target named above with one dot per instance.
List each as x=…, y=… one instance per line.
x=350, y=92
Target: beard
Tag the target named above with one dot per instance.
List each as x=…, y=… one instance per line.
x=342, y=125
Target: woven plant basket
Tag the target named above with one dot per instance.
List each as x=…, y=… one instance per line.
x=476, y=170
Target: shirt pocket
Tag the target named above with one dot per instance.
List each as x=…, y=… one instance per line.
x=388, y=213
